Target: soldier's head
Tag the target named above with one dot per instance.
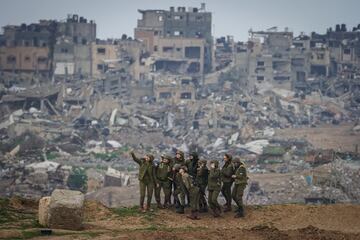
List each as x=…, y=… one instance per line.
x=227, y=157
x=214, y=164
x=148, y=157
x=202, y=163
x=194, y=157
x=176, y=167
x=165, y=159
x=179, y=155
x=236, y=161
x=183, y=170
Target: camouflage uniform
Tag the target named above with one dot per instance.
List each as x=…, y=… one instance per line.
x=147, y=179
x=163, y=176
x=202, y=182
x=226, y=172
x=214, y=187
x=191, y=165
x=241, y=178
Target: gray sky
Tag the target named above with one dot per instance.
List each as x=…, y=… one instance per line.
x=230, y=17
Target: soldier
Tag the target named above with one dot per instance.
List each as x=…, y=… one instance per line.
x=214, y=187
x=147, y=179
x=192, y=164
x=226, y=172
x=193, y=190
x=179, y=158
x=240, y=178
x=179, y=190
x=202, y=182
x=163, y=177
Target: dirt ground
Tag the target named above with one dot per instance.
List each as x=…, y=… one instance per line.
x=267, y=222
x=327, y=136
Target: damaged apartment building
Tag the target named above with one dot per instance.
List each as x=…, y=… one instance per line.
x=31, y=53
x=179, y=43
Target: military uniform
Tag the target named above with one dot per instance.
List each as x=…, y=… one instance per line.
x=181, y=159
x=163, y=176
x=202, y=181
x=193, y=193
x=226, y=172
x=214, y=187
x=192, y=164
x=241, y=178
x=147, y=179
x=179, y=190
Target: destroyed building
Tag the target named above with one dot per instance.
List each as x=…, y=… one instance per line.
x=176, y=23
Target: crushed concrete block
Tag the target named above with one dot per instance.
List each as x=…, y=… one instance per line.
x=44, y=204
x=66, y=209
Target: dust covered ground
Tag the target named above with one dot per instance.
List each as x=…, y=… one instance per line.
x=294, y=221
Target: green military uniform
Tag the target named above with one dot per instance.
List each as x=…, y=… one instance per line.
x=163, y=175
x=192, y=164
x=238, y=190
x=214, y=187
x=226, y=172
x=147, y=178
x=179, y=190
x=202, y=181
x=193, y=193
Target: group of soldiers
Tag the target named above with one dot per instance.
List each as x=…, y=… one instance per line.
x=187, y=180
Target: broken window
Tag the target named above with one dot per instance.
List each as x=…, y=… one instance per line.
x=168, y=49
x=101, y=50
x=178, y=49
x=156, y=33
x=281, y=78
x=178, y=33
x=155, y=48
x=178, y=17
x=260, y=78
x=192, y=52
x=185, y=81
x=185, y=95
x=64, y=50
x=194, y=67
x=75, y=39
x=320, y=56
x=100, y=67
x=260, y=63
x=300, y=76
x=11, y=59
x=198, y=18
x=27, y=59
x=298, y=62
x=42, y=60
x=318, y=70
x=27, y=43
x=347, y=51
x=165, y=95
x=84, y=41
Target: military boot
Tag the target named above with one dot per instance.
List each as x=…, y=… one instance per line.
x=193, y=215
x=180, y=209
x=240, y=213
x=227, y=208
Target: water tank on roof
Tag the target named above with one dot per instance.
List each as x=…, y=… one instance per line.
x=343, y=27
x=195, y=10
x=172, y=9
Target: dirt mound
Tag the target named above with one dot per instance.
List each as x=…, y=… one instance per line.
x=95, y=211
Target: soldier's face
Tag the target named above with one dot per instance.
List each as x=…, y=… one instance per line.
x=147, y=158
x=226, y=158
x=178, y=155
x=181, y=171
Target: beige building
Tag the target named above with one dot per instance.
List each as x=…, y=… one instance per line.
x=25, y=59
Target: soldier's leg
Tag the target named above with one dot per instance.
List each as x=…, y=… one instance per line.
x=210, y=197
x=150, y=190
x=182, y=198
x=214, y=199
x=157, y=193
x=240, y=193
x=226, y=191
x=167, y=193
x=142, y=193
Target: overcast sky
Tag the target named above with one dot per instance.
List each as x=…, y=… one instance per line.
x=230, y=17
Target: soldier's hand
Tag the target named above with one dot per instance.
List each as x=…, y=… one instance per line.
x=157, y=185
x=233, y=176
